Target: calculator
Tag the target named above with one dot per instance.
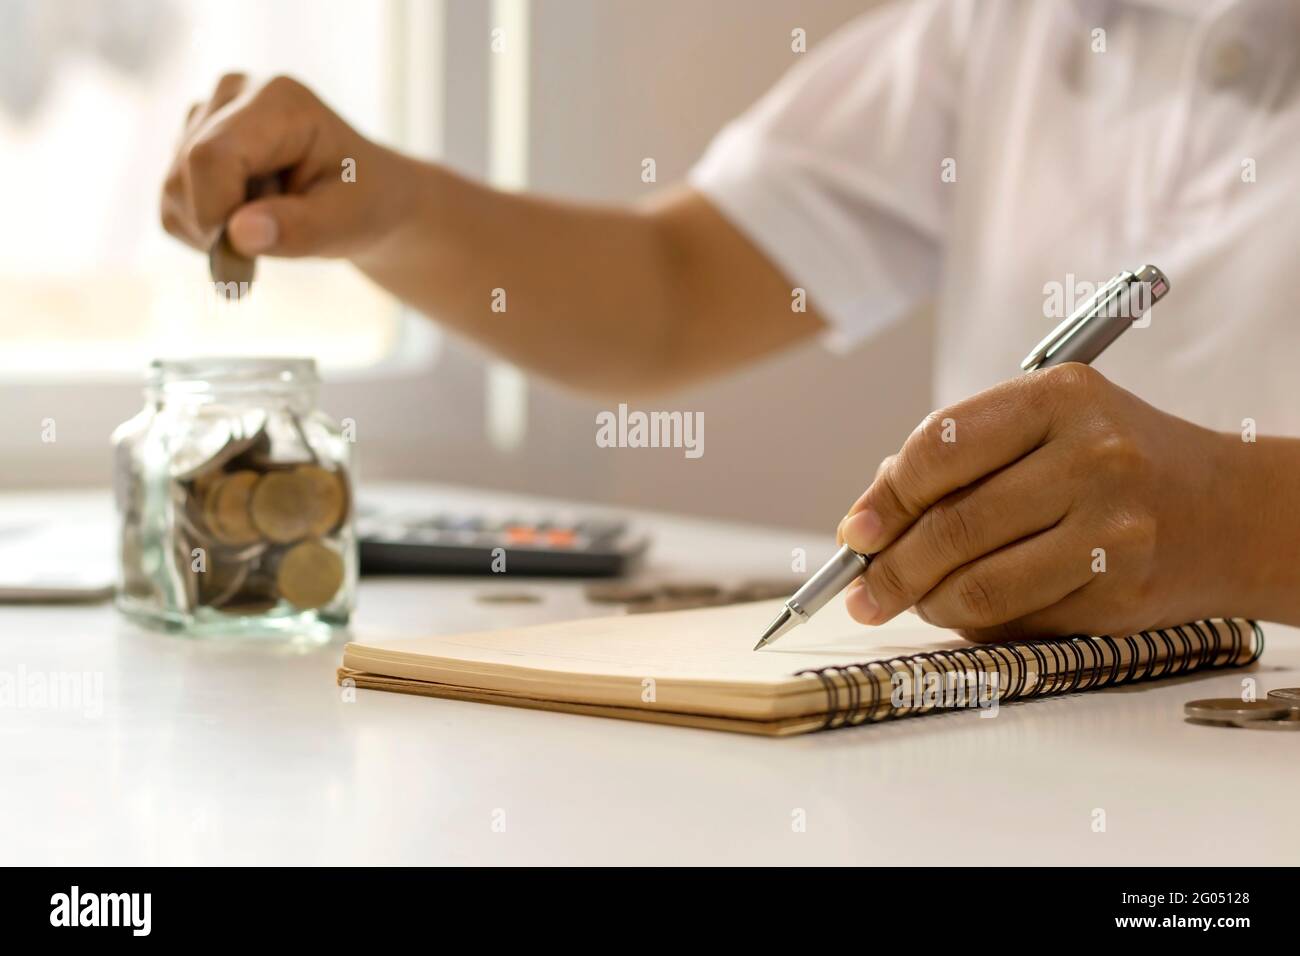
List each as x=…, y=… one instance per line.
x=415, y=543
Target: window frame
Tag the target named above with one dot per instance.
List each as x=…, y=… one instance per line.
x=426, y=122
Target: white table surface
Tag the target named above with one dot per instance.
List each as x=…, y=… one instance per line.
x=218, y=753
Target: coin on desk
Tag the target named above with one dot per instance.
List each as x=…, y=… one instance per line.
x=1233, y=710
x=619, y=593
x=689, y=590
x=1284, y=723
x=665, y=603
x=1288, y=695
x=508, y=597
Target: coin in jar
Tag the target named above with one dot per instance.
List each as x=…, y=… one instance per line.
x=219, y=437
x=256, y=595
x=279, y=507
x=323, y=496
x=221, y=581
x=309, y=574
x=249, y=608
x=227, y=511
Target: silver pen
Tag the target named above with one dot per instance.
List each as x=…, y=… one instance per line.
x=1080, y=338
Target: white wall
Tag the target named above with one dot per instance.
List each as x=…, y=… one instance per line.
x=796, y=439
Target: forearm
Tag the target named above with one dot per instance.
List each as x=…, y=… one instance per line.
x=1262, y=540
x=605, y=298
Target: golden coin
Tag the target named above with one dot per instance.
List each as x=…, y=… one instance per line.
x=323, y=497
x=280, y=508
x=309, y=575
x=226, y=509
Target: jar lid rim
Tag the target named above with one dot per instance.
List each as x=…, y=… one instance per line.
x=234, y=369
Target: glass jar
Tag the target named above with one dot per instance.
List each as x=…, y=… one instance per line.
x=234, y=494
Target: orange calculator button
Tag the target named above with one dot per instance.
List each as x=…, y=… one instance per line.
x=561, y=537
x=521, y=534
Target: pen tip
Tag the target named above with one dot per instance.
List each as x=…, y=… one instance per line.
x=776, y=628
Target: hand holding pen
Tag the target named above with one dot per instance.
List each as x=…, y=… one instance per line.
x=1054, y=503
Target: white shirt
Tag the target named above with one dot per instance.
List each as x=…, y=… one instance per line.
x=1086, y=137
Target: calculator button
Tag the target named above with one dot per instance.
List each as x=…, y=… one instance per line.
x=521, y=534
x=561, y=537
x=600, y=530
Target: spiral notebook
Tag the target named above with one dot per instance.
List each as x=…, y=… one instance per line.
x=697, y=668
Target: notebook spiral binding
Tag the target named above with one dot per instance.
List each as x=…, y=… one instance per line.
x=1075, y=664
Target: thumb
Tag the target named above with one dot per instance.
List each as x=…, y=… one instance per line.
x=288, y=225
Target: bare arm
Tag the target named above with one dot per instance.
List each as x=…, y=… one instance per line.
x=604, y=298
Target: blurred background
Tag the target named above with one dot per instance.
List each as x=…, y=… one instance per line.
x=92, y=99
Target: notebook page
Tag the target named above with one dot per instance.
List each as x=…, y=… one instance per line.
x=709, y=645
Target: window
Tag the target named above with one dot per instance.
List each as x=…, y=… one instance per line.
x=92, y=97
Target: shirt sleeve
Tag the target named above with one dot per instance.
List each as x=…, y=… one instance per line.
x=837, y=173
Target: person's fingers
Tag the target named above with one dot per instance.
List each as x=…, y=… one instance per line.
x=960, y=444
x=1012, y=582
x=288, y=225
x=271, y=132
x=228, y=87
x=839, y=530
x=1013, y=503
x=172, y=203
x=1079, y=612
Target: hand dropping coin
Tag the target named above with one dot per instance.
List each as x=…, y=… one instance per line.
x=232, y=273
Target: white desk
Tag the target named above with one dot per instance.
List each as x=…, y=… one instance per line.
x=214, y=753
